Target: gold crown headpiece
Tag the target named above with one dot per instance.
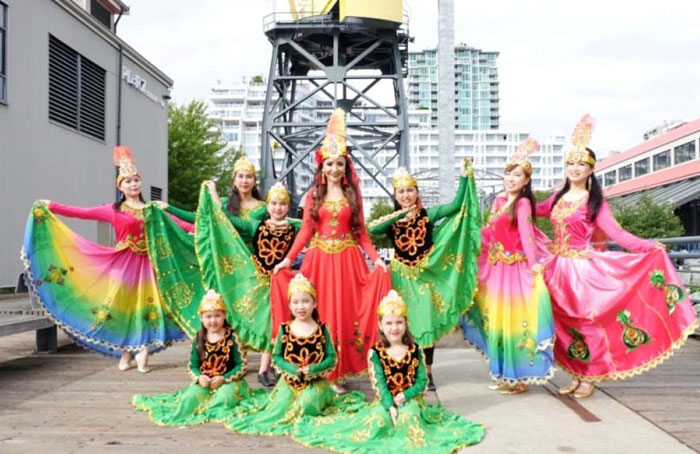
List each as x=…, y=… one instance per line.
x=334, y=144
x=243, y=164
x=521, y=155
x=580, y=140
x=211, y=301
x=300, y=284
x=403, y=179
x=392, y=303
x=123, y=159
x=278, y=192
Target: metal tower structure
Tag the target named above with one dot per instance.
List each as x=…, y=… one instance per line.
x=323, y=60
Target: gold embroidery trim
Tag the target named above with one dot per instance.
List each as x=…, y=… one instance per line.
x=332, y=246
x=140, y=248
x=497, y=253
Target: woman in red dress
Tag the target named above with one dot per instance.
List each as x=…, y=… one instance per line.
x=333, y=225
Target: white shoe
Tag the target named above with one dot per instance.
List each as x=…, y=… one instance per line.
x=141, y=363
x=338, y=389
x=125, y=366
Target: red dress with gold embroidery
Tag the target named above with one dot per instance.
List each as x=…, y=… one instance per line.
x=347, y=293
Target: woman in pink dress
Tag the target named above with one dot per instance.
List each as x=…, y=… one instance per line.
x=616, y=314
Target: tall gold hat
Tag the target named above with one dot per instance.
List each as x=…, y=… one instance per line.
x=334, y=144
x=211, y=301
x=278, y=192
x=300, y=284
x=580, y=140
x=521, y=155
x=123, y=159
x=393, y=304
x=243, y=164
x=403, y=179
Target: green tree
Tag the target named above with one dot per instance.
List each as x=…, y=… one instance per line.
x=381, y=207
x=194, y=152
x=258, y=79
x=647, y=218
x=543, y=223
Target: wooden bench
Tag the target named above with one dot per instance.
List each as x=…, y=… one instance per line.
x=19, y=313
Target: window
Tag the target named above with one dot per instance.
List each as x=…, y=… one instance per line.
x=100, y=13
x=76, y=90
x=625, y=173
x=3, y=52
x=610, y=178
x=685, y=152
x=641, y=167
x=156, y=193
x=662, y=160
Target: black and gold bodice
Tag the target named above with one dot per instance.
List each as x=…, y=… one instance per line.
x=412, y=238
x=302, y=351
x=218, y=356
x=399, y=374
x=270, y=246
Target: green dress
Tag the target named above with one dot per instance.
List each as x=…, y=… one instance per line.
x=217, y=257
x=434, y=267
x=420, y=428
x=196, y=404
x=296, y=395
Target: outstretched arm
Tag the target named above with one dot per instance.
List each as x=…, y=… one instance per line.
x=441, y=211
x=607, y=223
x=103, y=213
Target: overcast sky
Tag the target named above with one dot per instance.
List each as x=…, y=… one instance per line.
x=630, y=64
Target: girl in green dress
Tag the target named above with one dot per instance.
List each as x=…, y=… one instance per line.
x=304, y=355
x=217, y=367
x=398, y=421
x=435, y=252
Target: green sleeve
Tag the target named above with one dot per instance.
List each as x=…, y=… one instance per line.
x=246, y=229
x=418, y=387
x=259, y=214
x=187, y=216
x=381, y=225
x=441, y=211
x=277, y=357
x=295, y=223
x=194, y=361
x=379, y=381
x=329, y=356
x=240, y=361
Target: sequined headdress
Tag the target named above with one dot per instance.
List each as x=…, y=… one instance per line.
x=334, y=145
x=392, y=303
x=300, y=284
x=243, y=164
x=211, y=301
x=580, y=140
x=278, y=192
x=403, y=179
x=521, y=155
x=125, y=161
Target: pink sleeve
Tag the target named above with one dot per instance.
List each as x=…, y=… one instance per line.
x=305, y=231
x=365, y=242
x=99, y=213
x=526, y=231
x=186, y=226
x=544, y=208
x=607, y=223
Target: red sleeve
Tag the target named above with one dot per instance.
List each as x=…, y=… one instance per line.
x=186, y=226
x=305, y=232
x=364, y=241
x=99, y=213
x=607, y=223
x=526, y=231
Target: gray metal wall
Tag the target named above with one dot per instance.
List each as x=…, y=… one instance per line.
x=42, y=159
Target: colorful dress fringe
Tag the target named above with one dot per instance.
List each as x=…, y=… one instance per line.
x=105, y=299
x=420, y=428
x=196, y=404
x=615, y=314
x=296, y=395
x=348, y=294
x=434, y=268
x=511, y=322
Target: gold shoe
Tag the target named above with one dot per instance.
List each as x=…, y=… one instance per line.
x=579, y=394
x=516, y=389
x=575, y=383
x=497, y=387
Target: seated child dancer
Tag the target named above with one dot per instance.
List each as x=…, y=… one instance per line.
x=304, y=355
x=217, y=366
x=398, y=421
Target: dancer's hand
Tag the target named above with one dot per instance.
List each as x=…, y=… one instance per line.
x=661, y=246
x=394, y=413
x=162, y=205
x=204, y=381
x=399, y=399
x=536, y=268
x=216, y=382
x=44, y=202
x=380, y=263
x=278, y=224
x=286, y=263
x=303, y=370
